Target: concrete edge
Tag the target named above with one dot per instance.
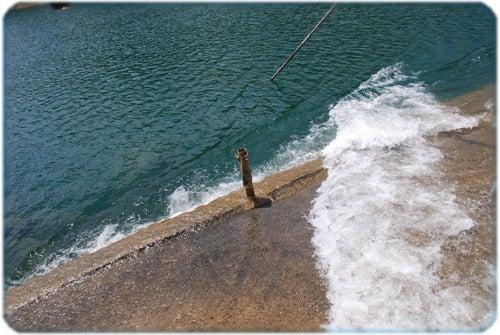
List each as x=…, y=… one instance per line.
x=273, y=188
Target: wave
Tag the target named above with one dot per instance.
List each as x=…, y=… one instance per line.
x=384, y=210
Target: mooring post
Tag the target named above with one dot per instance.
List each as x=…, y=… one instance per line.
x=246, y=173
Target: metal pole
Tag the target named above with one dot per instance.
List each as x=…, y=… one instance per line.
x=246, y=172
x=304, y=41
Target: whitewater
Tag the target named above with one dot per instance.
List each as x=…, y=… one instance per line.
x=384, y=211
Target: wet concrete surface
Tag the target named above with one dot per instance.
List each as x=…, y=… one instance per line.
x=469, y=163
x=254, y=271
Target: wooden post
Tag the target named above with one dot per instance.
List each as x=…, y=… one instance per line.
x=246, y=173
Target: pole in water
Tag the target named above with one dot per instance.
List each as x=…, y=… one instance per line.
x=246, y=172
x=304, y=41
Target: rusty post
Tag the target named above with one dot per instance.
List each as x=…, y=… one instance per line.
x=246, y=173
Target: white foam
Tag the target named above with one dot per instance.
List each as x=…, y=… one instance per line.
x=187, y=198
x=109, y=234
x=490, y=104
x=384, y=210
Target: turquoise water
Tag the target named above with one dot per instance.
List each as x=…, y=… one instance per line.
x=118, y=115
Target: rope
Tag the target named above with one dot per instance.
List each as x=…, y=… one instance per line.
x=304, y=41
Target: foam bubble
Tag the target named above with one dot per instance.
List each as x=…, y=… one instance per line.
x=187, y=198
x=109, y=234
x=384, y=210
x=179, y=201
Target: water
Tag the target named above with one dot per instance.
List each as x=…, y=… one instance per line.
x=118, y=115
